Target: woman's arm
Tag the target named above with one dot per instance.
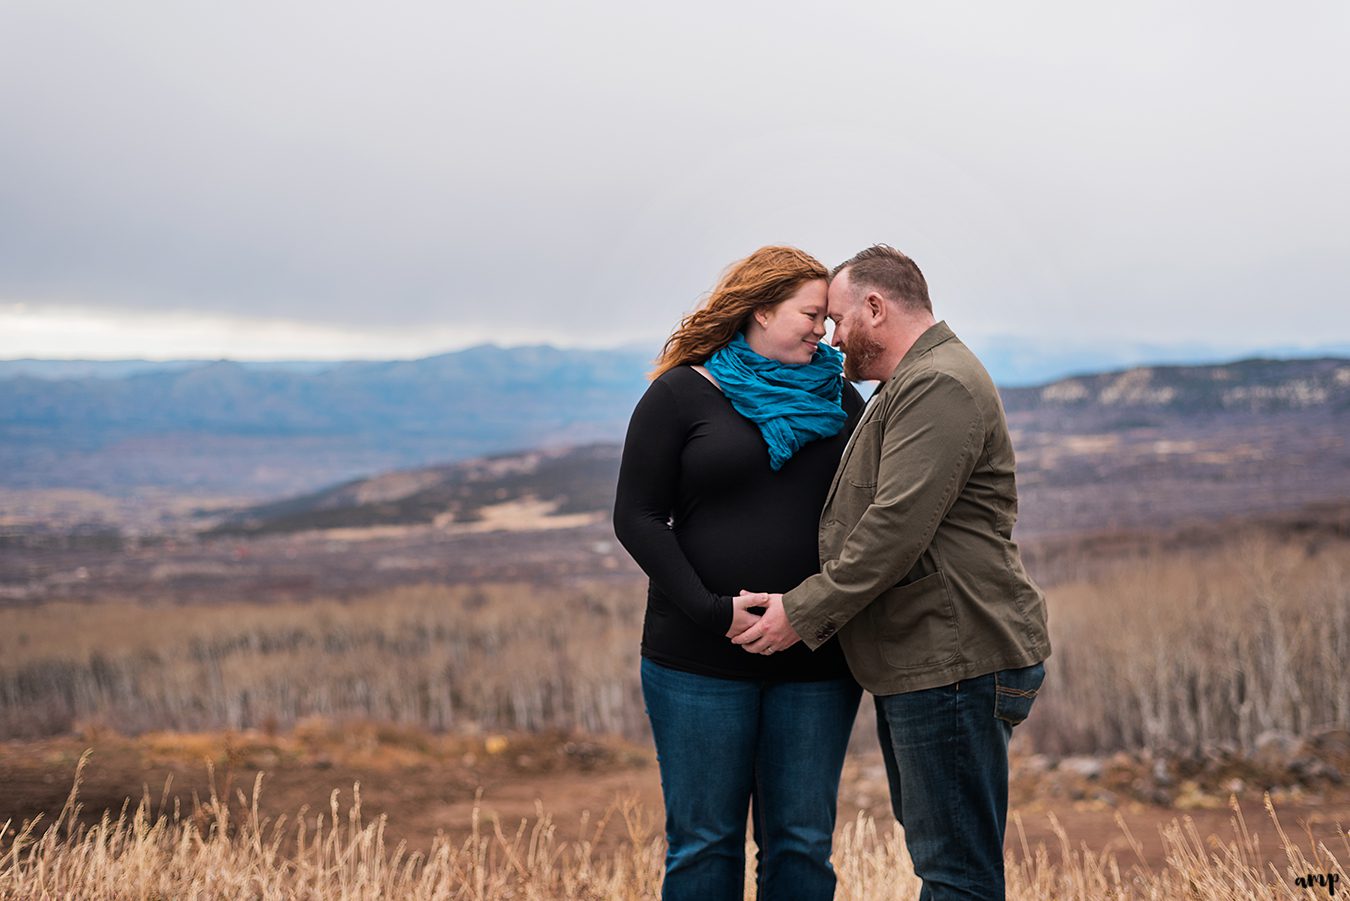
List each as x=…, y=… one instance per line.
x=648, y=475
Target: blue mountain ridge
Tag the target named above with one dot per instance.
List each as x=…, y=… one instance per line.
x=266, y=429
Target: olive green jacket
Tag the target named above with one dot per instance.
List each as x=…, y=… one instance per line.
x=919, y=573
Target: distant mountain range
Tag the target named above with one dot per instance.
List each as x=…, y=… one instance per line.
x=267, y=430
x=1142, y=448
x=257, y=429
x=1132, y=396
x=1015, y=361
x=1011, y=360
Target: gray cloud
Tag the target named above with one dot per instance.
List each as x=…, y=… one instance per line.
x=585, y=170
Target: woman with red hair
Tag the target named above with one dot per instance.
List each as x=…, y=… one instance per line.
x=728, y=459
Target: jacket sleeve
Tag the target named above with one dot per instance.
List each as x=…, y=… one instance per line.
x=649, y=472
x=933, y=436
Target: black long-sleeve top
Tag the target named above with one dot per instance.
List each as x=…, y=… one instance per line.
x=703, y=514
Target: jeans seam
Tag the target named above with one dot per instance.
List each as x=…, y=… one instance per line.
x=962, y=749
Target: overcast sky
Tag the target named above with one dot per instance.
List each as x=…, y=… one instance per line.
x=332, y=179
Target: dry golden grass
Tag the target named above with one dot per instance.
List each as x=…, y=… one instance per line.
x=1171, y=651
x=156, y=854
x=504, y=657
x=1193, y=649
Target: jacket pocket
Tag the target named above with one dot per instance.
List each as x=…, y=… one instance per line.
x=915, y=624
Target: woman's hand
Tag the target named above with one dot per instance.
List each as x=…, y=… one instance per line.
x=742, y=618
x=773, y=632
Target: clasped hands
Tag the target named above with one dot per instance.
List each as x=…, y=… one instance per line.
x=761, y=633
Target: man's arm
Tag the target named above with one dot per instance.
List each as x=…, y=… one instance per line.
x=933, y=437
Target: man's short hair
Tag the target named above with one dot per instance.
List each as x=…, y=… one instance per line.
x=886, y=270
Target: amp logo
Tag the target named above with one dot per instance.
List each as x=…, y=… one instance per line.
x=1317, y=880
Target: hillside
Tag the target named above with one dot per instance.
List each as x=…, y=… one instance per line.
x=546, y=485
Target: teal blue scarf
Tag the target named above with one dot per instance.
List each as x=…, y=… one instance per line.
x=791, y=404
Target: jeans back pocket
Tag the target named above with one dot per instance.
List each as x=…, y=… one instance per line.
x=1015, y=690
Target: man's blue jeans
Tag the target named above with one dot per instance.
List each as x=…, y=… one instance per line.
x=722, y=742
x=946, y=753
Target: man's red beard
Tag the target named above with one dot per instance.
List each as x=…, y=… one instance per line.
x=860, y=352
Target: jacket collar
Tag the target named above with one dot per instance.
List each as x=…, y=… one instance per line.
x=935, y=335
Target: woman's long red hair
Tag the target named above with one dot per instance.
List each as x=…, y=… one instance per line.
x=766, y=278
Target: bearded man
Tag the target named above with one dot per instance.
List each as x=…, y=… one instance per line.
x=920, y=576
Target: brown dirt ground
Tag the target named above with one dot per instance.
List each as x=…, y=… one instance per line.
x=427, y=784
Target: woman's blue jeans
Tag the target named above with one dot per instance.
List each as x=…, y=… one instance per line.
x=721, y=743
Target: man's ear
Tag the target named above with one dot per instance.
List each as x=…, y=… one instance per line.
x=876, y=307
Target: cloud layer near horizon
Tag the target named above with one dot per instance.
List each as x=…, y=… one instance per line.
x=581, y=172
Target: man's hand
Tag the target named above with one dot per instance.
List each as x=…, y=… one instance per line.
x=773, y=632
x=741, y=617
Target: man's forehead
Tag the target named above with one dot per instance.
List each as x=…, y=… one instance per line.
x=839, y=293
